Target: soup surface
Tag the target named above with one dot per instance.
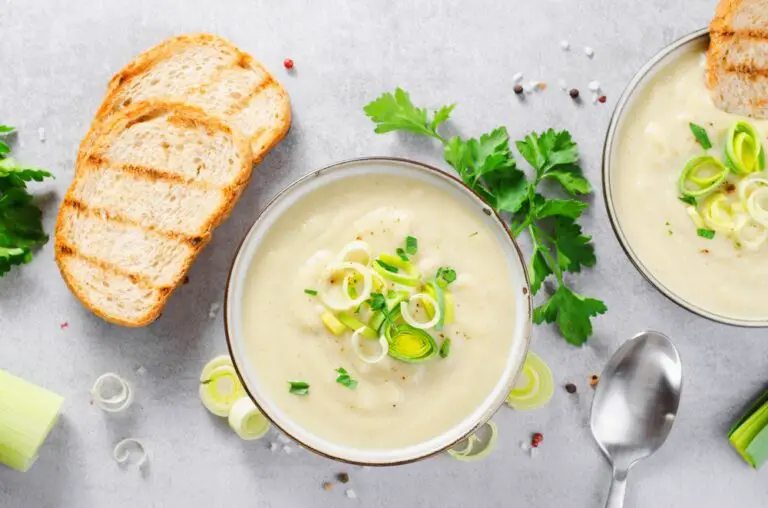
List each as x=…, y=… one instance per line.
x=394, y=404
x=654, y=143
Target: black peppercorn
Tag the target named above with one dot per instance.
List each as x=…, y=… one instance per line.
x=518, y=89
x=574, y=93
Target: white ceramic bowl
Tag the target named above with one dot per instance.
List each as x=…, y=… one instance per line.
x=236, y=339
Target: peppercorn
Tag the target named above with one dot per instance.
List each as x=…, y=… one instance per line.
x=602, y=99
x=288, y=63
x=518, y=89
x=327, y=486
x=574, y=93
x=593, y=380
x=342, y=477
x=570, y=388
x=536, y=439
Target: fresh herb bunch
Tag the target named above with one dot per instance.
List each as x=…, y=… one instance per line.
x=21, y=227
x=487, y=165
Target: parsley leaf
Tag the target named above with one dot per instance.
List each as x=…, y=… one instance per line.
x=311, y=292
x=706, y=233
x=298, y=387
x=377, y=302
x=539, y=268
x=570, y=208
x=571, y=178
x=445, y=348
x=345, y=379
x=573, y=248
x=700, y=133
x=6, y=129
x=548, y=150
x=687, y=199
x=445, y=275
x=395, y=111
x=572, y=312
x=411, y=245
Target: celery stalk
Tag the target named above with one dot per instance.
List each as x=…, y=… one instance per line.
x=27, y=415
x=750, y=434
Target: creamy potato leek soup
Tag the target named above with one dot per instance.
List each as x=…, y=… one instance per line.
x=695, y=215
x=379, y=311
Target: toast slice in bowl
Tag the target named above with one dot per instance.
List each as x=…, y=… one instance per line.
x=144, y=202
x=207, y=71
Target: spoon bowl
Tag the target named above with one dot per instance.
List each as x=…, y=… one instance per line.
x=635, y=404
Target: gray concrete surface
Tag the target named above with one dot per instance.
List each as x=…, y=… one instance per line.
x=55, y=60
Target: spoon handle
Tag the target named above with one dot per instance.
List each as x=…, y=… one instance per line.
x=618, y=488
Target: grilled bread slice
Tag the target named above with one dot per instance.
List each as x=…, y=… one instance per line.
x=209, y=72
x=144, y=202
x=737, y=60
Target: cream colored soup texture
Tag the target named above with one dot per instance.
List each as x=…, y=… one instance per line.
x=654, y=144
x=395, y=404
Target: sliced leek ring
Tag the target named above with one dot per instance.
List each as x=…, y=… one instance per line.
x=409, y=344
x=474, y=448
x=750, y=233
x=534, y=387
x=407, y=274
x=757, y=206
x=357, y=347
x=718, y=214
x=693, y=213
x=112, y=393
x=127, y=448
x=701, y=175
x=744, y=152
x=426, y=300
x=748, y=185
x=219, y=386
x=247, y=421
x=343, y=301
x=348, y=252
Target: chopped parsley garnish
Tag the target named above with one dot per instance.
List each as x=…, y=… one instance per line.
x=445, y=348
x=299, y=387
x=344, y=378
x=387, y=266
x=445, y=275
x=687, y=199
x=473, y=234
x=400, y=252
x=487, y=165
x=377, y=302
x=411, y=245
x=310, y=292
x=705, y=233
x=391, y=294
x=700, y=133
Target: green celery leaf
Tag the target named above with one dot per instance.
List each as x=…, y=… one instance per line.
x=570, y=208
x=540, y=270
x=396, y=112
x=573, y=248
x=572, y=312
x=441, y=115
x=700, y=133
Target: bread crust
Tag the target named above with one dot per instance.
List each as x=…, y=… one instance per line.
x=95, y=161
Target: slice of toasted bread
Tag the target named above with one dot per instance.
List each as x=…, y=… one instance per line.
x=207, y=71
x=737, y=59
x=144, y=202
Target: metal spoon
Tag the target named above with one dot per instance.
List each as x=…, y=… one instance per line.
x=635, y=404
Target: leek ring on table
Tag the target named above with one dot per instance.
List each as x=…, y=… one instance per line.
x=104, y=397
x=718, y=214
x=409, y=344
x=744, y=152
x=534, y=387
x=701, y=175
x=122, y=452
x=219, y=386
x=342, y=301
x=474, y=448
x=247, y=421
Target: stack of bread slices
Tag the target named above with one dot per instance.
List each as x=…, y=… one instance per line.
x=167, y=156
x=737, y=60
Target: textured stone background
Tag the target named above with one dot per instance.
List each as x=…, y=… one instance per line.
x=56, y=59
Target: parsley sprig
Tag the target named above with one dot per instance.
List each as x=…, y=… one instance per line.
x=21, y=227
x=488, y=166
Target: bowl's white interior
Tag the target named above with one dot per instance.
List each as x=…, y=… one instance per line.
x=252, y=242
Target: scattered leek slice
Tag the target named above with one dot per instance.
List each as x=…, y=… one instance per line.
x=475, y=448
x=219, y=386
x=247, y=421
x=357, y=247
x=407, y=274
x=718, y=214
x=534, y=387
x=27, y=415
x=112, y=393
x=701, y=175
x=433, y=288
x=750, y=233
x=126, y=448
x=750, y=434
x=353, y=323
x=393, y=302
x=757, y=206
x=334, y=325
x=357, y=347
x=450, y=308
x=747, y=185
x=744, y=152
x=693, y=213
x=409, y=344
x=405, y=311
x=343, y=301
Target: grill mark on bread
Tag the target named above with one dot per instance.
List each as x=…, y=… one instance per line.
x=267, y=82
x=149, y=173
x=66, y=249
x=196, y=241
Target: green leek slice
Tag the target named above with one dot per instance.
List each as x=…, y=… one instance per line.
x=433, y=288
x=247, y=421
x=407, y=274
x=334, y=325
x=219, y=386
x=409, y=344
x=475, y=448
x=744, y=152
x=27, y=415
x=393, y=303
x=748, y=431
x=450, y=308
x=718, y=213
x=353, y=324
x=534, y=387
x=425, y=299
x=342, y=300
x=701, y=175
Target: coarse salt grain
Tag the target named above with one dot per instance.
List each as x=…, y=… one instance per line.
x=518, y=77
x=287, y=449
x=41, y=134
x=565, y=45
x=562, y=84
x=530, y=86
x=273, y=447
x=283, y=439
x=525, y=446
x=213, y=310
x=594, y=86
x=350, y=494
x=533, y=452
x=589, y=51
x=141, y=371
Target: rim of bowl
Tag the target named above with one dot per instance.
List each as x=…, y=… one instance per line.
x=634, y=86
x=527, y=326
